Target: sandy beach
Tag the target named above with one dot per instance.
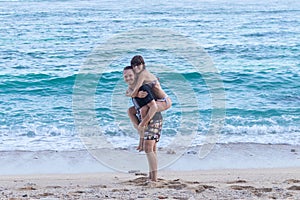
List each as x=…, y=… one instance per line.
x=231, y=171
x=206, y=184
x=231, y=69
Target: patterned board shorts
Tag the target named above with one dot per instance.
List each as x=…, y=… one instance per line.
x=153, y=130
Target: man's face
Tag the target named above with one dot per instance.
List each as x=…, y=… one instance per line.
x=128, y=76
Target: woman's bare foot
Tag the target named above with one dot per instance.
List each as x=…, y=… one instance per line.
x=141, y=145
x=140, y=148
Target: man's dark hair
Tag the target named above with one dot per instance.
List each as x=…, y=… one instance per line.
x=127, y=67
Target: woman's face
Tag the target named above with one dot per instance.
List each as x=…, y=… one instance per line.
x=128, y=76
x=138, y=68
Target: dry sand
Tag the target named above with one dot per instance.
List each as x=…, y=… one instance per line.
x=280, y=183
x=230, y=171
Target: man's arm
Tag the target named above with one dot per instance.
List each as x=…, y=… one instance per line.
x=128, y=92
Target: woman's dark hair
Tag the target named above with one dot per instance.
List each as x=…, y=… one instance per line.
x=137, y=60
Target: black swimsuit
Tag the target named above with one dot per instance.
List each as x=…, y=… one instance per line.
x=144, y=101
x=140, y=102
x=154, y=127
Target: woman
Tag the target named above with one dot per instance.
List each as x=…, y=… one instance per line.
x=144, y=77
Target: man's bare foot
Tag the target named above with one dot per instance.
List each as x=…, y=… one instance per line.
x=152, y=184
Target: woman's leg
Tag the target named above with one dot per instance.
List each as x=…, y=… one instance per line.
x=143, y=111
x=141, y=145
x=151, y=112
x=152, y=159
x=163, y=105
x=133, y=118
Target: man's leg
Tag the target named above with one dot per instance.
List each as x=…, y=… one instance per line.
x=153, y=133
x=152, y=159
x=155, y=154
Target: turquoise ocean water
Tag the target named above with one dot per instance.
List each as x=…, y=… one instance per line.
x=255, y=45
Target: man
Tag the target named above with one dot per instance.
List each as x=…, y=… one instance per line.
x=150, y=136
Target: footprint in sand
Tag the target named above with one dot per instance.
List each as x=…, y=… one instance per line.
x=46, y=194
x=27, y=188
x=289, y=181
x=140, y=174
x=202, y=188
x=192, y=182
x=54, y=187
x=120, y=190
x=237, y=181
x=98, y=186
x=140, y=181
x=162, y=197
x=180, y=184
x=256, y=191
x=171, y=184
x=294, y=187
x=79, y=192
x=242, y=187
x=195, y=185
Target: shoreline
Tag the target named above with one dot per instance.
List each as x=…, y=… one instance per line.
x=222, y=156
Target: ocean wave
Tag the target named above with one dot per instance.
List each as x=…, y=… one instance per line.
x=263, y=79
x=62, y=139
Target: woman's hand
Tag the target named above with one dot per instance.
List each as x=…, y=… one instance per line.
x=142, y=94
